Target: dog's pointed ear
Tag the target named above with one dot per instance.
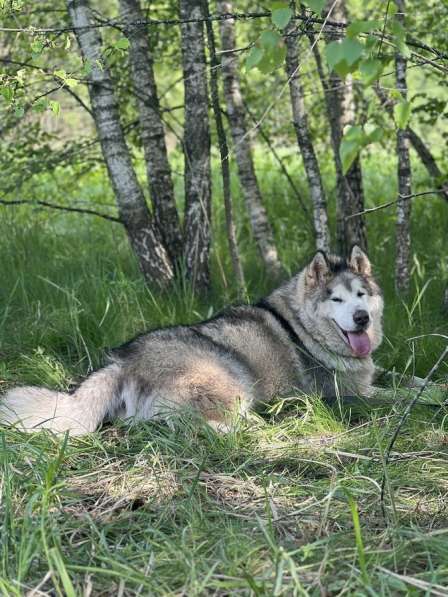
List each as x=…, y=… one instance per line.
x=359, y=262
x=317, y=271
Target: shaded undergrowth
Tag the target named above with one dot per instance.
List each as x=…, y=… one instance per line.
x=287, y=504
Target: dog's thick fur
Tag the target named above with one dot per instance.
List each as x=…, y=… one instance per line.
x=291, y=341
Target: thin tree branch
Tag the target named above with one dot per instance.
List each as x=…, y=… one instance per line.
x=410, y=41
x=46, y=204
x=400, y=198
x=63, y=87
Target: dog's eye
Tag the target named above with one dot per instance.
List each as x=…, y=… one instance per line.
x=336, y=300
x=360, y=294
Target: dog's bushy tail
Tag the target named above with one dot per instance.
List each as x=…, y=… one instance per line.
x=30, y=408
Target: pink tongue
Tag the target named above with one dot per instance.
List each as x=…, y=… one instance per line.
x=359, y=343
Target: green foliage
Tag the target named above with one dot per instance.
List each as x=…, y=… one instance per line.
x=355, y=138
x=402, y=113
x=55, y=107
x=343, y=55
x=316, y=6
x=281, y=14
x=357, y=27
x=122, y=43
x=370, y=70
x=268, y=53
x=399, y=38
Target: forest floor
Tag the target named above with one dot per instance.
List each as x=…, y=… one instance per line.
x=289, y=503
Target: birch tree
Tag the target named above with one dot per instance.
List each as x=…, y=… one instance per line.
x=152, y=257
x=341, y=110
x=260, y=225
x=224, y=153
x=402, y=231
x=420, y=147
x=304, y=141
x=151, y=129
x=196, y=146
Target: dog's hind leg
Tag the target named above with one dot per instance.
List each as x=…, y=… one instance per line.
x=215, y=392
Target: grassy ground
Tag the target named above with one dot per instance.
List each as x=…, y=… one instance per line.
x=287, y=504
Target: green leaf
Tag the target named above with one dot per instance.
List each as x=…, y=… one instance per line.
x=352, y=142
x=371, y=44
x=402, y=112
x=355, y=133
x=19, y=111
x=354, y=139
x=342, y=56
x=40, y=105
x=333, y=53
x=281, y=14
x=399, y=32
x=273, y=59
x=315, y=5
x=86, y=68
x=269, y=39
x=122, y=44
x=370, y=70
x=404, y=49
x=37, y=46
x=7, y=92
x=351, y=50
x=375, y=135
x=55, y=107
x=348, y=151
x=71, y=82
x=60, y=73
x=358, y=27
x=254, y=57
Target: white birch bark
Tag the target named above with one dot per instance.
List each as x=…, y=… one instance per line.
x=152, y=130
x=152, y=257
x=402, y=229
x=260, y=225
x=317, y=193
x=224, y=154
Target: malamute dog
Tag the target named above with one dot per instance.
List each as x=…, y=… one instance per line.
x=314, y=334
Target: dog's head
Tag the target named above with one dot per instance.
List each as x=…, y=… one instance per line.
x=340, y=298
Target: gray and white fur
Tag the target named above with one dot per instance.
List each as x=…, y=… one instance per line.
x=314, y=334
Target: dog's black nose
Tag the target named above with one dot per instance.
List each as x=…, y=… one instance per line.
x=361, y=318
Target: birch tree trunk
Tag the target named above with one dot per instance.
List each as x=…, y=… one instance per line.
x=341, y=109
x=152, y=257
x=260, y=225
x=152, y=130
x=224, y=154
x=196, y=146
x=420, y=147
x=402, y=230
x=304, y=141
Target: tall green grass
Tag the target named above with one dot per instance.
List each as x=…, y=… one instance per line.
x=288, y=503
